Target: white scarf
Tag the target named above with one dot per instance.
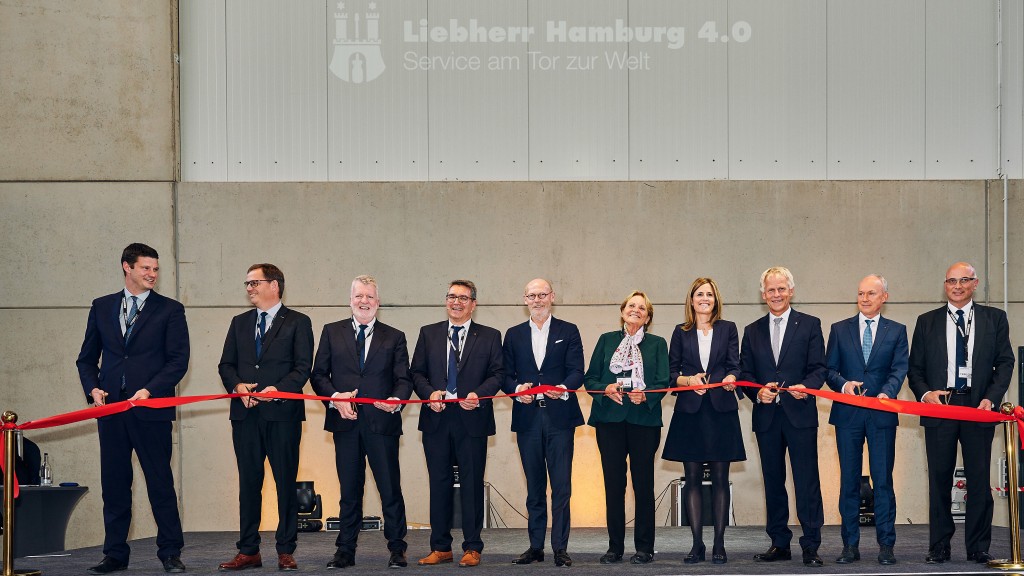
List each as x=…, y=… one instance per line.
x=627, y=357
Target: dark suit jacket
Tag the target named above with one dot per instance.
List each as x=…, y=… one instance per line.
x=992, y=359
x=285, y=362
x=385, y=374
x=684, y=359
x=480, y=371
x=801, y=361
x=882, y=373
x=655, y=354
x=563, y=364
x=156, y=357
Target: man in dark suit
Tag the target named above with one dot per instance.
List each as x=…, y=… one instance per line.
x=961, y=355
x=142, y=338
x=784, y=351
x=456, y=359
x=363, y=357
x=267, y=349
x=545, y=350
x=867, y=355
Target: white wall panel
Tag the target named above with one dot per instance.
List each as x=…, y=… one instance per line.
x=678, y=95
x=578, y=102
x=277, y=90
x=876, y=89
x=204, y=151
x=377, y=116
x=777, y=91
x=1012, y=116
x=478, y=94
x=961, y=90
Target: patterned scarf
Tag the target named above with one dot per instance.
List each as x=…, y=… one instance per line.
x=627, y=357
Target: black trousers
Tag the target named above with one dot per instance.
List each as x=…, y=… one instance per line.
x=618, y=441
x=545, y=449
x=256, y=441
x=450, y=444
x=352, y=450
x=976, y=446
x=120, y=435
x=802, y=444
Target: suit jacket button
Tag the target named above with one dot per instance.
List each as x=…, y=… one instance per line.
x=257, y=366
x=125, y=356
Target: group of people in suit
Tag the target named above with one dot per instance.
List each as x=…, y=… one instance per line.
x=136, y=346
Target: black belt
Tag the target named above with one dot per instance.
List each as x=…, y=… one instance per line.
x=964, y=392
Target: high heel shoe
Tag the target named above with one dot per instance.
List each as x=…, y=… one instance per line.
x=696, y=555
x=718, y=556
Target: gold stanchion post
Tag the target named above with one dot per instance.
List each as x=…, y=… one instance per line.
x=9, y=454
x=1013, y=493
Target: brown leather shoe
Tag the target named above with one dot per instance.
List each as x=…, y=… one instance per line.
x=469, y=559
x=241, y=562
x=286, y=562
x=435, y=558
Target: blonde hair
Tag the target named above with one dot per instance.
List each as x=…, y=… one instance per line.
x=716, y=310
x=647, y=303
x=778, y=271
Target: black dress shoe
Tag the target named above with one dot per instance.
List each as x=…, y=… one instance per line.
x=174, y=565
x=774, y=554
x=980, y=557
x=885, y=556
x=531, y=555
x=811, y=558
x=562, y=558
x=850, y=555
x=341, y=560
x=696, y=555
x=397, y=560
x=108, y=565
x=718, y=556
x=937, y=555
x=641, y=558
x=611, y=557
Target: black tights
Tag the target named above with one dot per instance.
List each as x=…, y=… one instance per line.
x=693, y=501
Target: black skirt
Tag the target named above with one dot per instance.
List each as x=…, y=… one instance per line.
x=705, y=436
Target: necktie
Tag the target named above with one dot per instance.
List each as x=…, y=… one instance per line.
x=262, y=332
x=866, y=345
x=453, y=363
x=130, y=322
x=961, y=351
x=361, y=344
x=777, y=338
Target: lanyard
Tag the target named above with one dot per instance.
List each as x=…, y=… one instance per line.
x=124, y=310
x=965, y=334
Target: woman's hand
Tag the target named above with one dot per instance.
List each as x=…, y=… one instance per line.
x=637, y=396
x=729, y=383
x=612, y=391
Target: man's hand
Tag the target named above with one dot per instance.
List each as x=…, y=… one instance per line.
x=797, y=395
x=142, y=394
x=268, y=389
x=612, y=391
x=471, y=402
x=435, y=400
x=346, y=409
x=242, y=388
x=389, y=407
x=935, y=397
x=985, y=404
x=882, y=396
x=99, y=397
x=852, y=387
x=525, y=398
x=768, y=393
x=555, y=394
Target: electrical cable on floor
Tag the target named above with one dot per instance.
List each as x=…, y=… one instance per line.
x=657, y=503
x=502, y=496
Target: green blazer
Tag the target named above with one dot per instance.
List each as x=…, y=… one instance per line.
x=655, y=353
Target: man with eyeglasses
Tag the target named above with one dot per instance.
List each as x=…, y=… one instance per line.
x=142, y=338
x=267, y=349
x=960, y=356
x=361, y=356
x=867, y=355
x=457, y=359
x=545, y=350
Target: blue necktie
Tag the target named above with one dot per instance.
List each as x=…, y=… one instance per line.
x=453, y=362
x=961, y=351
x=866, y=345
x=361, y=344
x=262, y=333
x=130, y=322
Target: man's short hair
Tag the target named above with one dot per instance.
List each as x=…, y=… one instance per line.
x=778, y=271
x=885, y=283
x=271, y=272
x=133, y=252
x=365, y=280
x=467, y=284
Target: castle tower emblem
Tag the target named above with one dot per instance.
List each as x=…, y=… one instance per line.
x=357, y=58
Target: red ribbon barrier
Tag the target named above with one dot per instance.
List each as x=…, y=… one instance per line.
x=3, y=456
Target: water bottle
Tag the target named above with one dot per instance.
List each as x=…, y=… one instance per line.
x=45, y=473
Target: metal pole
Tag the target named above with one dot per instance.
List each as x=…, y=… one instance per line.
x=9, y=419
x=1013, y=492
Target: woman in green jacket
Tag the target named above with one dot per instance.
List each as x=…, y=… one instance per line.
x=627, y=365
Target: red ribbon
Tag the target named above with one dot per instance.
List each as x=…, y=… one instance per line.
x=3, y=457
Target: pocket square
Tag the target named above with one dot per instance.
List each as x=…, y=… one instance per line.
x=557, y=341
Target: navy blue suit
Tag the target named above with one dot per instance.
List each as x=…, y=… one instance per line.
x=788, y=424
x=684, y=360
x=155, y=357
x=545, y=429
x=883, y=373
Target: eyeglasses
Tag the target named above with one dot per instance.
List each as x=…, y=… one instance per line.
x=538, y=296
x=254, y=283
x=961, y=281
x=461, y=299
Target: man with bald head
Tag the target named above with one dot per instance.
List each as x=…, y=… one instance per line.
x=867, y=355
x=960, y=356
x=545, y=350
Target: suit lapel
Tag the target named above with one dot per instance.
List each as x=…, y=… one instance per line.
x=716, y=347
x=880, y=335
x=792, y=326
x=553, y=333
x=268, y=339
x=853, y=330
x=471, y=338
x=375, y=343
x=150, y=307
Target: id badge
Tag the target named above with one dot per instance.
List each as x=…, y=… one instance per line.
x=626, y=380
x=963, y=372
